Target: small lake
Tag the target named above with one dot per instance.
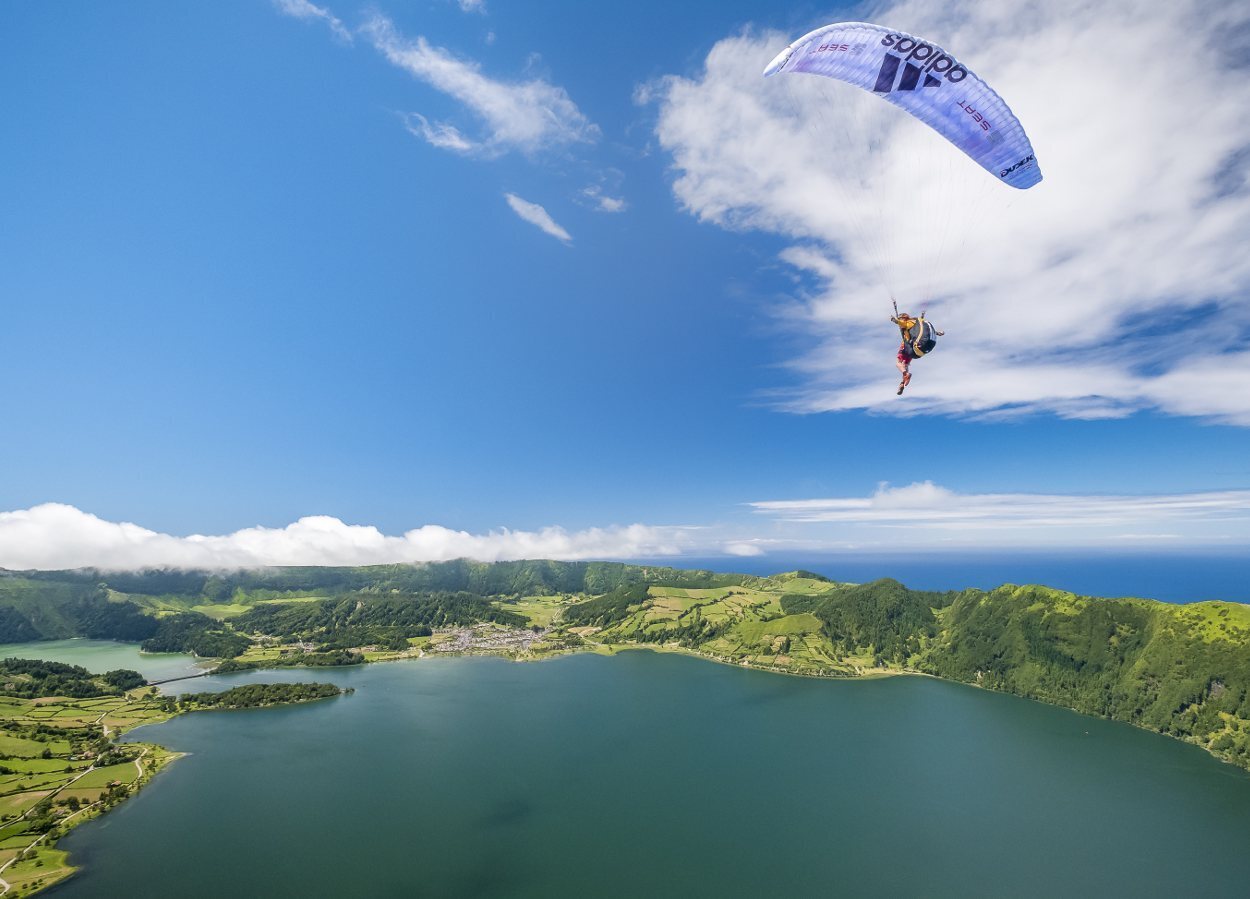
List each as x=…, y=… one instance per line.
x=99, y=656
x=662, y=775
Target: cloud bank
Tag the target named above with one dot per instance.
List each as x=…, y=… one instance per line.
x=54, y=535
x=936, y=516
x=537, y=216
x=1118, y=284
x=918, y=517
x=528, y=116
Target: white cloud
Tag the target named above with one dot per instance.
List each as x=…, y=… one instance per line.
x=438, y=134
x=917, y=517
x=528, y=115
x=537, y=216
x=602, y=202
x=477, y=6
x=1118, y=284
x=941, y=517
x=308, y=12
x=53, y=535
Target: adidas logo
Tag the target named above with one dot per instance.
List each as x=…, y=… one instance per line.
x=921, y=59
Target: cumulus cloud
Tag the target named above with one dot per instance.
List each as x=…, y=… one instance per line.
x=1118, y=284
x=528, y=115
x=947, y=517
x=54, y=535
x=308, y=12
x=537, y=216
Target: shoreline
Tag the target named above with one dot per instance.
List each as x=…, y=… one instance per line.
x=868, y=674
x=113, y=774
x=50, y=809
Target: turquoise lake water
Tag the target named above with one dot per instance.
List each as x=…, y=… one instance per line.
x=662, y=775
x=98, y=656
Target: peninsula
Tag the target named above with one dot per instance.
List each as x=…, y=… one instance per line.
x=60, y=764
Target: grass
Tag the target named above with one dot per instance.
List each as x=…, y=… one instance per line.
x=805, y=585
x=37, y=765
x=803, y=623
x=221, y=611
x=539, y=610
x=1216, y=620
x=42, y=868
x=756, y=631
x=19, y=747
x=125, y=773
x=256, y=653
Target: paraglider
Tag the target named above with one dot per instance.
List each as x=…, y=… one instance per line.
x=933, y=86
x=919, y=337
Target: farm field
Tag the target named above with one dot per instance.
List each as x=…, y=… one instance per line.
x=742, y=625
x=538, y=610
x=59, y=767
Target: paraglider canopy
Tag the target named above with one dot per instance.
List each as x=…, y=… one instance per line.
x=926, y=81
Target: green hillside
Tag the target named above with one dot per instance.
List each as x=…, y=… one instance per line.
x=1182, y=670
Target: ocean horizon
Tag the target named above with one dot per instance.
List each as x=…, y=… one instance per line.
x=1176, y=578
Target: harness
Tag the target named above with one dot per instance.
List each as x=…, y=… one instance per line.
x=921, y=338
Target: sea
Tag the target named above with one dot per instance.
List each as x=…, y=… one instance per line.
x=1171, y=577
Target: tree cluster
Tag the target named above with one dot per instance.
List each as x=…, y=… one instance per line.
x=250, y=696
x=195, y=633
x=31, y=678
x=364, y=619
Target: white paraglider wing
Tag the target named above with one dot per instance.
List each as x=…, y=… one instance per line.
x=927, y=82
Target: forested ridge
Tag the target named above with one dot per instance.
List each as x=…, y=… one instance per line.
x=1179, y=670
x=461, y=575
x=1182, y=670
x=173, y=610
x=360, y=619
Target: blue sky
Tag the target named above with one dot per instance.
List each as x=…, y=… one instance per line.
x=544, y=279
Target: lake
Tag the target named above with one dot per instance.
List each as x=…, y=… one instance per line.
x=663, y=775
x=99, y=656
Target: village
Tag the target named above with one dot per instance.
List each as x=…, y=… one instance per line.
x=486, y=638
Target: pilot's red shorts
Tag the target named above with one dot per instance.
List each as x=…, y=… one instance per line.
x=903, y=355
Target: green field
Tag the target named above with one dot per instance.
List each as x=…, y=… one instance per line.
x=54, y=781
x=1217, y=620
x=220, y=611
x=733, y=624
x=788, y=583
x=12, y=747
x=538, y=610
